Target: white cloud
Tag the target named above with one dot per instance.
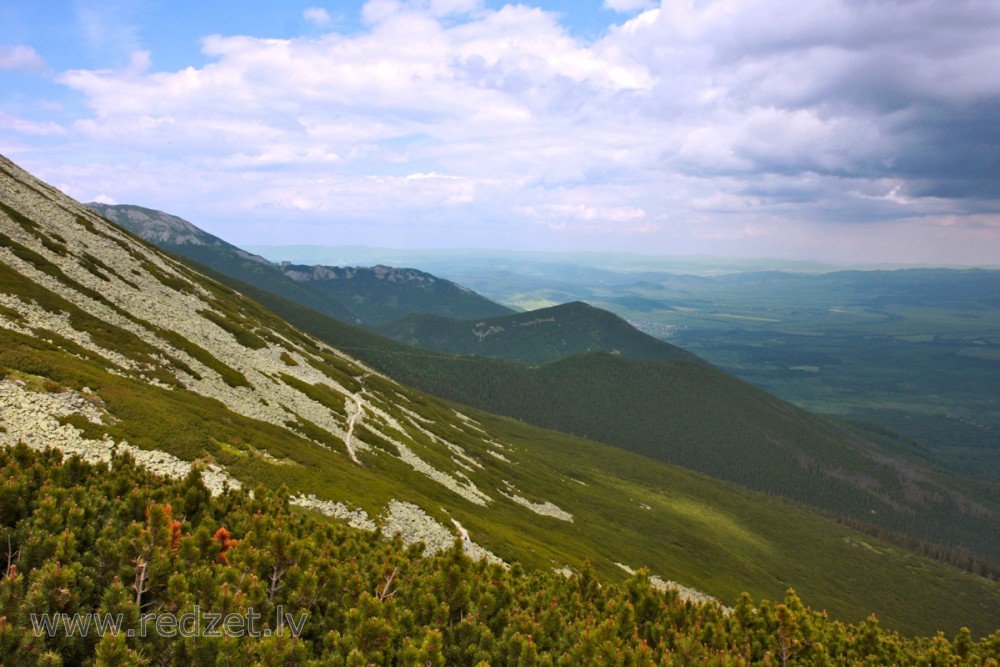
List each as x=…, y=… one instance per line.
x=423, y=177
x=731, y=116
x=31, y=127
x=589, y=213
x=278, y=155
x=628, y=6
x=317, y=16
x=21, y=58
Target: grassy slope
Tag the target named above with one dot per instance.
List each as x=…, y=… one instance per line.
x=696, y=416
x=534, y=337
x=710, y=535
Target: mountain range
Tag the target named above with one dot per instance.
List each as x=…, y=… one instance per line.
x=363, y=295
x=584, y=371
x=109, y=344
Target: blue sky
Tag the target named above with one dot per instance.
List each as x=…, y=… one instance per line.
x=837, y=130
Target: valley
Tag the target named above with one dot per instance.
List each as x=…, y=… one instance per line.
x=911, y=349
x=691, y=415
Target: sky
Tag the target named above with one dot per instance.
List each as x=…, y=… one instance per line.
x=833, y=130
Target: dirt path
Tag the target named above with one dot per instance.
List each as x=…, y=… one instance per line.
x=352, y=419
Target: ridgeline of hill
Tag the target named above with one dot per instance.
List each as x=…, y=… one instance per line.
x=354, y=294
x=534, y=337
x=382, y=293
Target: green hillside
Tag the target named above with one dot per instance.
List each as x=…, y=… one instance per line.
x=107, y=345
x=534, y=337
x=915, y=350
x=694, y=415
x=698, y=418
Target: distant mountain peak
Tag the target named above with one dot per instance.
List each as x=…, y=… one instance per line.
x=536, y=336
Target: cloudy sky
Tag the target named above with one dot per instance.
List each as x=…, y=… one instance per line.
x=843, y=130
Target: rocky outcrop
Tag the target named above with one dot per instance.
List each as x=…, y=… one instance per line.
x=414, y=525
x=32, y=417
x=544, y=508
x=683, y=592
x=389, y=274
x=356, y=517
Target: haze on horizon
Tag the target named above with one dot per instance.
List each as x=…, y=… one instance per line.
x=830, y=130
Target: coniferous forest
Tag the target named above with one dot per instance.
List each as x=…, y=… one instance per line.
x=111, y=565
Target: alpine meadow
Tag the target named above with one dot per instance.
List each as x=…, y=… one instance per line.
x=474, y=333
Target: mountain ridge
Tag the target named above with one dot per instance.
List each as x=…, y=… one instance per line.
x=375, y=294
x=535, y=336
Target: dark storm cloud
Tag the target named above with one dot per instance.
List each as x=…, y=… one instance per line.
x=952, y=151
x=843, y=89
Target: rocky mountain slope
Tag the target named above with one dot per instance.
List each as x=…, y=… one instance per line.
x=362, y=295
x=106, y=343
x=688, y=413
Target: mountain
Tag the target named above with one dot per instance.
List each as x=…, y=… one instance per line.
x=180, y=237
x=109, y=345
x=433, y=310
x=535, y=337
x=355, y=294
x=667, y=405
x=381, y=293
x=694, y=415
